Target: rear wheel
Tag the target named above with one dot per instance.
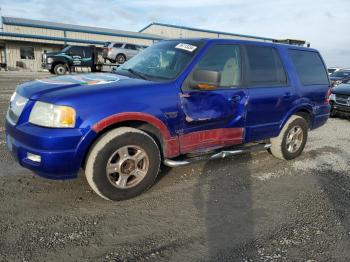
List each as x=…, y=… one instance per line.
x=122, y=164
x=292, y=139
x=120, y=59
x=333, y=113
x=60, y=69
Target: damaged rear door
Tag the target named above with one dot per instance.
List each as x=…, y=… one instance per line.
x=213, y=101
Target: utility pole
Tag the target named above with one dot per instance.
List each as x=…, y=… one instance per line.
x=2, y=28
x=1, y=20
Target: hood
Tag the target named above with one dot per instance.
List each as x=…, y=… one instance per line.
x=342, y=89
x=335, y=78
x=79, y=84
x=52, y=53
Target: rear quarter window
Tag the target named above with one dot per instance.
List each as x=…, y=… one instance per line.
x=310, y=67
x=265, y=66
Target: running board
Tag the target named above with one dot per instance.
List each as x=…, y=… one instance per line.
x=216, y=155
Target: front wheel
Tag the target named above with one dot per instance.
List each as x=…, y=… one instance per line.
x=60, y=69
x=291, y=141
x=122, y=164
x=120, y=59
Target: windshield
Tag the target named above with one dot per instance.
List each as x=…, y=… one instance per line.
x=162, y=61
x=341, y=74
x=331, y=70
x=64, y=50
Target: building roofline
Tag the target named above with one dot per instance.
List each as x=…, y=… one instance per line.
x=76, y=28
x=204, y=30
x=52, y=38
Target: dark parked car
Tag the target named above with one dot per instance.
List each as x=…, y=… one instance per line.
x=339, y=76
x=69, y=57
x=340, y=99
x=332, y=70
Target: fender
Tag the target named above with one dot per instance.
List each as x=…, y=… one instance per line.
x=60, y=59
x=170, y=144
x=300, y=107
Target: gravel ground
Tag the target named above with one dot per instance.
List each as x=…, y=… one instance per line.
x=251, y=207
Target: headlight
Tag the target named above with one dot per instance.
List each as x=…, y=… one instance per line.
x=332, y=97
x=49, y=115
x=17, y=104
x=50, y=60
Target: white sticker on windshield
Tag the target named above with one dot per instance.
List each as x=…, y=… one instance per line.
x=186, y=47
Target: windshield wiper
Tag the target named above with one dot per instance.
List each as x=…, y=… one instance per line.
x=136, y=73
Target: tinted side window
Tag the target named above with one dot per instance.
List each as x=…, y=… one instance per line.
x=76, y=51
x=132, y=47
x=87, y=52
x=265, y=66
x=226, y=60
x=118, y=45
x=310, y=67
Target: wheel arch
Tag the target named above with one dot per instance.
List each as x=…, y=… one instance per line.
x=304, y=111
x=151, y=125
x=60, y=62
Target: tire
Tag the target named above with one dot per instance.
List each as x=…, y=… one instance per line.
x=120, y=59
x=282, y=146
x=60, y=69
x=105, y=154
x=52, y=71
x=111, y=60
x=333, y=113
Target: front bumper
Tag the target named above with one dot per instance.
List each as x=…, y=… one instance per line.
x=340, y=108
x=46, y=66
x=61, y=150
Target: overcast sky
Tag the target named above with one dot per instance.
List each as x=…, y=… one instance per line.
x=323, y=23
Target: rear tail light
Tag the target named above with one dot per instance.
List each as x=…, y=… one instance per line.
x=329, y=92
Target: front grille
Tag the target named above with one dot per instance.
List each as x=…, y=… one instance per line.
x=342, y=96
x=342, y=100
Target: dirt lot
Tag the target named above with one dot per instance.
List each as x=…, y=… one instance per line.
x=251, y=207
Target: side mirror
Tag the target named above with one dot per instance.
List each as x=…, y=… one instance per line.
x=205, y=79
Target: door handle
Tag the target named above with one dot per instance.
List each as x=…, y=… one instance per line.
x=287, y=95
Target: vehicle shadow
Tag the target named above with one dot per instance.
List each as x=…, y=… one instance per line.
x=224, y=200
x=336, y=187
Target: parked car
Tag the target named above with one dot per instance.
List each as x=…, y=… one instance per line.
x=332, y=70
x=340, y=99
x=71, y=56
x=177, y=102
x=120, y=52
x=339, y=76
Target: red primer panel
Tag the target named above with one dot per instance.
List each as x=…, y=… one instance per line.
x=210, y=138
x=189, y=142
x=171, y=144
x=113, y=119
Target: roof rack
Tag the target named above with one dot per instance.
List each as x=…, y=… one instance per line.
x=291, y=42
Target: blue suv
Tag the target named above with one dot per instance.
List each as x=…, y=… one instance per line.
x=177, y=102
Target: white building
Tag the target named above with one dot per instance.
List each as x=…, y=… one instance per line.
x=22, y=41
